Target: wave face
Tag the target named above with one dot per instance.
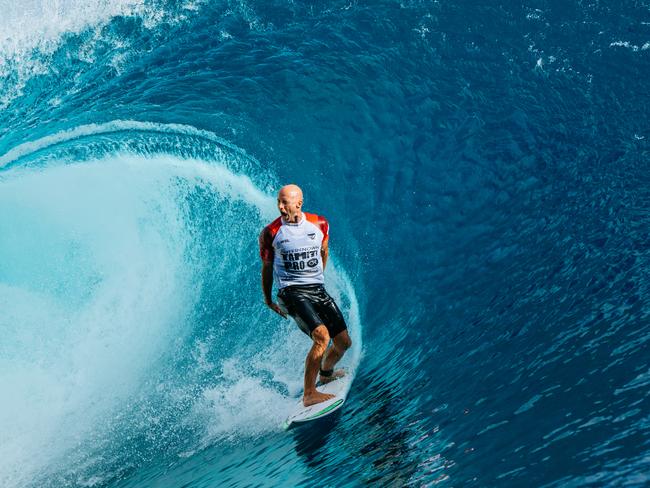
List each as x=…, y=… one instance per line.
x=484, y=172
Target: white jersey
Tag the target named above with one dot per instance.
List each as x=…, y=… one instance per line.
x=295, y=249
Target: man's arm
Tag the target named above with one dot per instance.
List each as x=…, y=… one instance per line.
x=324, y=247
x=325, y=252
x=267, y=287
x=266, y=253
x=267, y=281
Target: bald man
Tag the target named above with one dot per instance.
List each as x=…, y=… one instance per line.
x=294, y=251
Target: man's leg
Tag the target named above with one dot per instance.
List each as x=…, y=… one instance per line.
x=335, y=352
x=321, y=338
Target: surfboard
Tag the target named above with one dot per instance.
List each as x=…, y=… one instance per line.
x=339, y=388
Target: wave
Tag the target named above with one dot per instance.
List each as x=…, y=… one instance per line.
x=132, y=309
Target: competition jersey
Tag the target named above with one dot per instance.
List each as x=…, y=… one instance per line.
x=295, y=249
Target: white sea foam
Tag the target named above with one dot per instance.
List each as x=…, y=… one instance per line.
x=35, y=24
x=631, y=46
x=31, y=32
x=93, y=278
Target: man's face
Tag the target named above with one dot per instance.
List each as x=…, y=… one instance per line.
x=289, y=204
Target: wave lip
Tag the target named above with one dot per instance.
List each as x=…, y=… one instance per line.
x=112, y=127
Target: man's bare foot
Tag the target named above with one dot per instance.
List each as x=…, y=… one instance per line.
x=339, y=373
x=315, y=397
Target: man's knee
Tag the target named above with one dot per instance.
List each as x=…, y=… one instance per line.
x=320, y=336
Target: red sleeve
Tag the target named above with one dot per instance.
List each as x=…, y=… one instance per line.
x=267, y=252
x=324, y=227
x=321, y=222
x=266, y=245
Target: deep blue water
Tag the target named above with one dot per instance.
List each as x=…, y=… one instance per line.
x=485, y=171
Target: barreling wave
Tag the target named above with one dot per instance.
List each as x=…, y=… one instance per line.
x=134, y=327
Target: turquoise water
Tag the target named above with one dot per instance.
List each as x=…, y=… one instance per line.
x=484, y=169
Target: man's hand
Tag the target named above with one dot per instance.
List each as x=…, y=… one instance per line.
x=276, y=308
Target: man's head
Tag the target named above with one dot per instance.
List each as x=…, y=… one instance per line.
x=290, y=203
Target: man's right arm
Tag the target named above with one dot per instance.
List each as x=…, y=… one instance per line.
x=267, y=281
x=266, y=253
x=267, y=288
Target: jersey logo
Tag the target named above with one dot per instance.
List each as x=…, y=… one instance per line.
x=312, y=235
x=312, y=262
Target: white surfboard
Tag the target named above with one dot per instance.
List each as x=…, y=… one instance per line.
x=339, y=388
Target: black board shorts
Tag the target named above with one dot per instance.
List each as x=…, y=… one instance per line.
x=311, y=306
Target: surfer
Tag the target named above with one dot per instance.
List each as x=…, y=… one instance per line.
x=294, y=251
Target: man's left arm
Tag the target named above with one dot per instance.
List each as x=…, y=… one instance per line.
x=324, y=252
x=324, y=247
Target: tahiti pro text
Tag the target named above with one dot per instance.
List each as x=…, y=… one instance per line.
x=301, y=258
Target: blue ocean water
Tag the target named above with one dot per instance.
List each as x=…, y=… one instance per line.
x=483, y=166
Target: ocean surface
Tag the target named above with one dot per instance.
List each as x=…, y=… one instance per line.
x=485, y=168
